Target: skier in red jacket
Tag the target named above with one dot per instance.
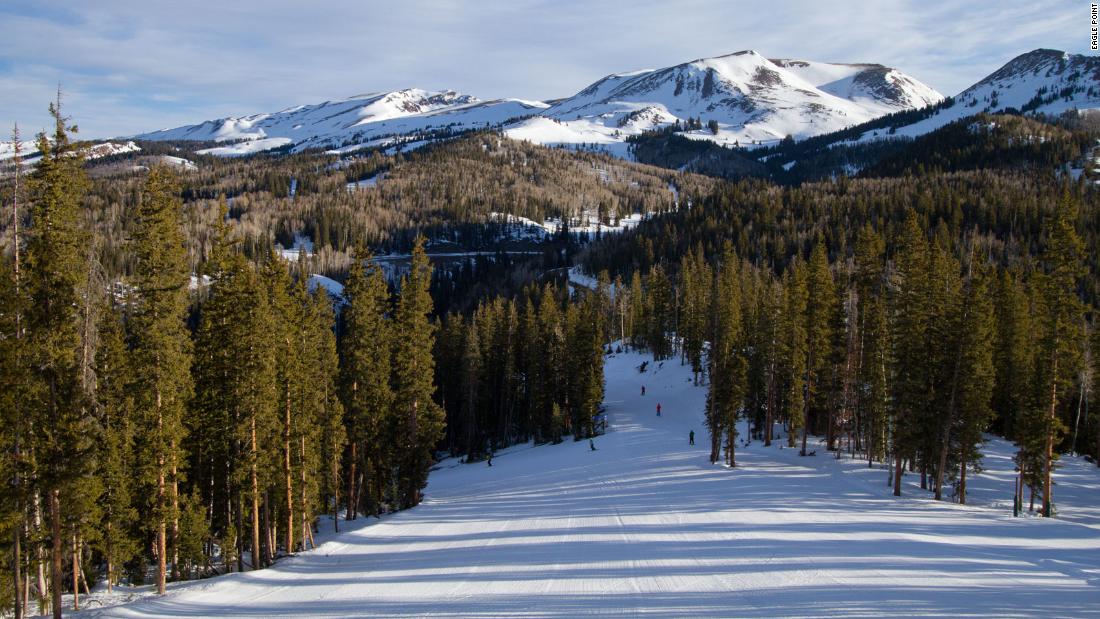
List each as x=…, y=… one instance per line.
x=658, y=409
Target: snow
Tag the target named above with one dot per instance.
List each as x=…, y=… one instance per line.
x=334, y=288
x=371, y=181
x=106, y=149
x=7, y=149
x=179, y=162
x=94, y=151
x=249, y=147
x=196, y=282
x=588, y=223
x=646, y=525
x=753, y=99
x=357, y=122
x=1013, y=86
x=302, y=244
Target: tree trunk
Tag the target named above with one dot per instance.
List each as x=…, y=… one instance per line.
x=269, y=530
x=897, y=472
x=731, y=438
x=769, y=421
x=40, y=551
x=962, y=479
x=76, y=573
x=352, y=458
x=335, y=472
x=175, y=516
x=255, y=492
x=870, y=443
x=110, y=558
x=806, y=409
x=162, y=526
x=289, y=472
x=305, y=515
x=1048, y=485
x=17, y=559
x=55, y=552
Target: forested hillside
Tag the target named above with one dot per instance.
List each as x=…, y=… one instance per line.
x=181, y=400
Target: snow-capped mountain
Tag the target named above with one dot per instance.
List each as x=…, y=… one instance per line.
x=364, y=120
x=751, y=98
x=1041, y=81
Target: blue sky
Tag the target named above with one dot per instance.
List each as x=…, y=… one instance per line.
x=128, y=66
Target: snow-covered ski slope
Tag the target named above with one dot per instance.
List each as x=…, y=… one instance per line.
x=645, y=526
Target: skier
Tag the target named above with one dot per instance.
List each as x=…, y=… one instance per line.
x=658, y=409
x=691, y=437
x=643, y=389
x=490, y=459
x=592, y=444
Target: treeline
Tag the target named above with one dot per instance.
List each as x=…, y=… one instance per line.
x=904, y=349
x=984, y=142
x=526, y=369
x=139, y=430
x=443, y=191
x=1004, y=213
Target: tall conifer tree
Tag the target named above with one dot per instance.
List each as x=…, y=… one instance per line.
x=56, y=271
x=162, y=349
x=365, y=369
x=419, y=418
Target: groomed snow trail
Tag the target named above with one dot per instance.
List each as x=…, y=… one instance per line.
x=645, y=526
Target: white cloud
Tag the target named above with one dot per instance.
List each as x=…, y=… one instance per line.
x=133, y=66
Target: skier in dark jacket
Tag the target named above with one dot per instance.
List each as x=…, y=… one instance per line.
x=658, y=409
x=643, y=389
x=691, y=437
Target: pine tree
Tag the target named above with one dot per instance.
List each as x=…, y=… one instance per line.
x=333, y=434
x=584, y=363
x=975, y=386
x=909, y=315
x=1060, y=315
x=420, y=419
x=1013, y=353
x=635, y=318
x=794, y=350
x=115, y=459
x=693, y=313
x=255, y=386
x=162, y=349
x=547, y=359
x=56, y=268
x=365, y=370
x=471, y=370
x=728, y=365
x=820, y=301
x=13, y=381
x=659, y=313
x=873, y=343
x=288, y=322
x=214, y=453
x=315, y=382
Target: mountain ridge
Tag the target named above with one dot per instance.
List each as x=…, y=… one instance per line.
x=743, y=98
x=738, y=89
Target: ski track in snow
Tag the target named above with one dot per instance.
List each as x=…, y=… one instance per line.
x=645, y=526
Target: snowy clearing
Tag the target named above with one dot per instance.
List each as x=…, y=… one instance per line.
x=645, y=525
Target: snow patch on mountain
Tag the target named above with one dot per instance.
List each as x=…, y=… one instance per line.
x=1043, y=81
x=375, y=119
x=752, y=99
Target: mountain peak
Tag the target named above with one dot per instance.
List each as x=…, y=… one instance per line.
x=743, y=96
x=1033, y=62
